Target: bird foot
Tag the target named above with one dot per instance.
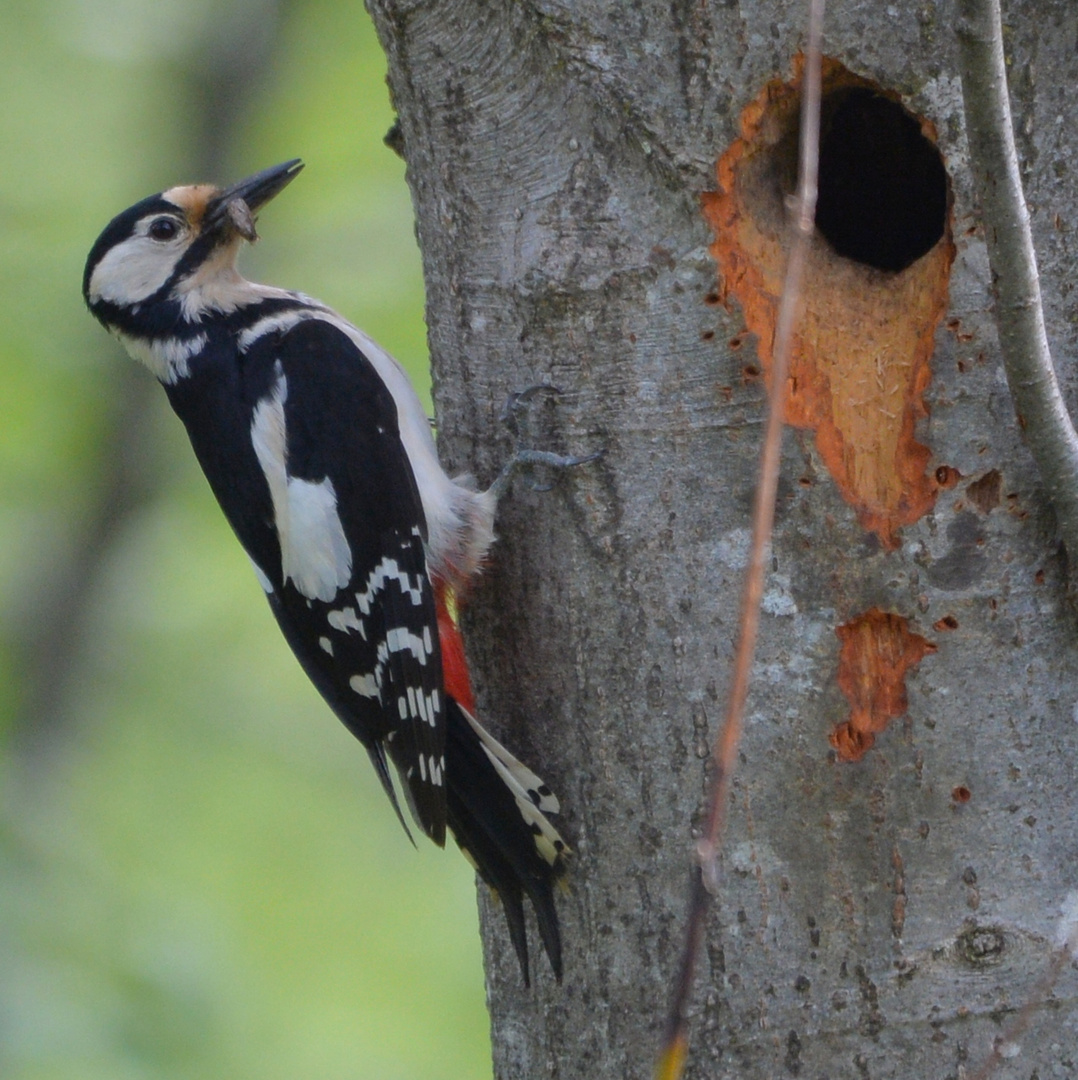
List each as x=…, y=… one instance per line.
x=516, y=416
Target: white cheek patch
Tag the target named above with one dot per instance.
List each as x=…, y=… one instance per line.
x=315, y=555
x=134, y=270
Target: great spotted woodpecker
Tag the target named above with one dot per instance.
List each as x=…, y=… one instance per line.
x=321, y=457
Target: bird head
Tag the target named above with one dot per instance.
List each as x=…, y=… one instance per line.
x=174, y=244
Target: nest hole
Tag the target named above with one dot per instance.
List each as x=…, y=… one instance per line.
x=883, y=185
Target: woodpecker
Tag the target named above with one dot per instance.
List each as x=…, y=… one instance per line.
x=321, y=456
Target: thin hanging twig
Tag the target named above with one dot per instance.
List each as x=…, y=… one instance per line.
x=671, y=1061
x=1017, y=1027
x=1042, y=415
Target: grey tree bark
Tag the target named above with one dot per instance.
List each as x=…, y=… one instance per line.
x=880, y=917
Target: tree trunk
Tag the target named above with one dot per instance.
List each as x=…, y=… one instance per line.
x=901, y=832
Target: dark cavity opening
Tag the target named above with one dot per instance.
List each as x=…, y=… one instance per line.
x=883, y=187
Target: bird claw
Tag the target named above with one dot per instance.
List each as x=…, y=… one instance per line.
x=513, y=415
x=524, y=458
x=516, y=402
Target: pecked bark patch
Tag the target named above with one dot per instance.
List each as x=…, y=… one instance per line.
x=877, y=651
x=861, y=358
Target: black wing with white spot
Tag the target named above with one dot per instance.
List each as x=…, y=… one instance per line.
x=349, y=586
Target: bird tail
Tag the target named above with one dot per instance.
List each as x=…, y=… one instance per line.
x=497, y=808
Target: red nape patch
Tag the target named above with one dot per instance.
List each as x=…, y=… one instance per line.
x=454, y=666
x=877, y=651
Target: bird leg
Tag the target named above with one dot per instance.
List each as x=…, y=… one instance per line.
x=516, y=416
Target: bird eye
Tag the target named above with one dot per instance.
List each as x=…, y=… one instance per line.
x=163, y=228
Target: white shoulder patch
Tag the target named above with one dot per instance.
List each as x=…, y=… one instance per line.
x=315, y=555
x=460, y=521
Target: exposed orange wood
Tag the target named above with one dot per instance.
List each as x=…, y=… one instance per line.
x=861, y=359
x=877, y=651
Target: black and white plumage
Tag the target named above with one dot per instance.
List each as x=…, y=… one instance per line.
x=321, y=457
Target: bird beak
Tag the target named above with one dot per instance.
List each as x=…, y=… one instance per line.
x=234, y=208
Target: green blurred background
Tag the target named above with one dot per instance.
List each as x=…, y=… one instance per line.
x=199, y=876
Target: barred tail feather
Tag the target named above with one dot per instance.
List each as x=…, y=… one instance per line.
x=496, y=807
x=504, y=832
